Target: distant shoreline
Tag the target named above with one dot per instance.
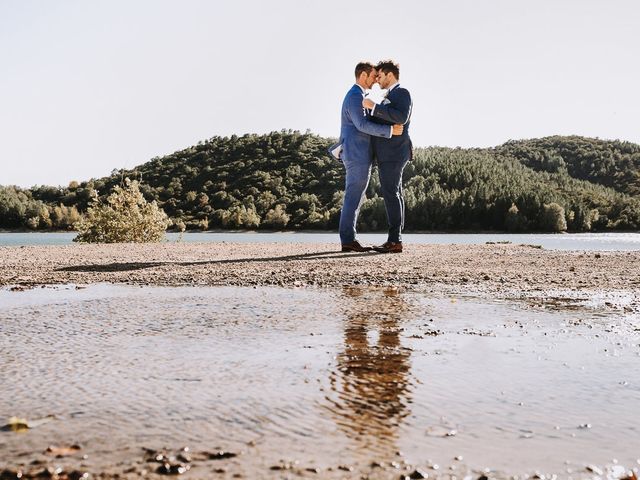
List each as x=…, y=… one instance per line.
x=413, y=232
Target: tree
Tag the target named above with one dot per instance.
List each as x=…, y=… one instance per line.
x=13, y=207
x=276, y=217
x=596, y=181
x=553, y=219
x=64, y=217
x=125, y=216
x=514, y=220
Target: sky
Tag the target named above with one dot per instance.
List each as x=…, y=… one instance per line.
x=87, y=86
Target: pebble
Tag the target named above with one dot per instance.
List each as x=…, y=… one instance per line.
x=594, y=469
x=221, y=455
x=417, y=474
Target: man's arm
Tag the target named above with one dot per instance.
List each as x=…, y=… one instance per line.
x=362, y=123
x=398, y=111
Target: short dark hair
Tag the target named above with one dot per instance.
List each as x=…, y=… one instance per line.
x=365, y=67
x=389, y=66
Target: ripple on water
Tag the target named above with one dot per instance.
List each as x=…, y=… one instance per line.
x=353, y=374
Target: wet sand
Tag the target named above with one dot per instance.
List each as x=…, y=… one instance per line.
x=502, y=271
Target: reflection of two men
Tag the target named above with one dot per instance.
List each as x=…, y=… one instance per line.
x=371, y=379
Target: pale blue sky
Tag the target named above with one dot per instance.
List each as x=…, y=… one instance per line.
x=91, y=85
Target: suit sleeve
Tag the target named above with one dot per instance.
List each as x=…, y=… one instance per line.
x=397, y=111
x=362, y=123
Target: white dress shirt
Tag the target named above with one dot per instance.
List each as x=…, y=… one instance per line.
x=364, y=94
x=388, y=91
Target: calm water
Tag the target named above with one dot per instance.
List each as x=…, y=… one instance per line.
x=574, y=241
x=265, y=372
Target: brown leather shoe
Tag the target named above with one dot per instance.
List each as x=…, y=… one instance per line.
x=389, y=247
x=355, y=247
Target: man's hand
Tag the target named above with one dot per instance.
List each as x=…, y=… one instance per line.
x=397, y=129
x=366, y=103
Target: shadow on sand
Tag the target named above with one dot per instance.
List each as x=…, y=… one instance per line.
x=129, y=266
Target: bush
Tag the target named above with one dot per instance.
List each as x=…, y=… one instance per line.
x=179, y=225
x=125, y=217
x=276, y=217
x=514, y=220
x=373, y=215
x=553, y=219
x=65, y=217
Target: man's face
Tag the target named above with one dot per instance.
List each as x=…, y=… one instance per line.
x=371, y=78
x=384, y=79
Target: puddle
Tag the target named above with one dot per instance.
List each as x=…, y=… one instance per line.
x=324, y=378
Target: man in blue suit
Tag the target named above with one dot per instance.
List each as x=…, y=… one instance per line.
x=356, y=131
x=392, y=154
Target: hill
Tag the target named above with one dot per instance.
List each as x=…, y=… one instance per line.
x=286, y=180
x=611, y=163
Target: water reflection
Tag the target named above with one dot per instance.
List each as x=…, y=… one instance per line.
x=370, y=384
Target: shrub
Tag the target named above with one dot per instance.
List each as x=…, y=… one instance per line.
x=65, y=217
x=553, y=219
x=125, y=217
x=240, y=216
x=514, y=220
x=276, y=217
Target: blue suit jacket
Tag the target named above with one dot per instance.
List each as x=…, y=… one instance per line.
x=395, y=109
x=357, y=129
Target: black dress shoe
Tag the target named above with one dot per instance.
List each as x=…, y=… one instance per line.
x=389, y=247
x=355, y=247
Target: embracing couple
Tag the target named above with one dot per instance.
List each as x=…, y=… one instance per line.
x=379, y=133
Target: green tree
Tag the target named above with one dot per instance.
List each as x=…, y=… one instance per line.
x=276, y=217
x=514, y=220
x=445, y=188
x=553, y=219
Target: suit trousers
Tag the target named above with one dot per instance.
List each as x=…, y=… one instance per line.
x=356, y=181
x=390, y=174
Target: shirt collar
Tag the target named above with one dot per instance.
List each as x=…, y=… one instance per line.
x=393, y=86
x=360, y=87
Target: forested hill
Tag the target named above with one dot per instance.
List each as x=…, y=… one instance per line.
x=286, y=180
x=612, y=163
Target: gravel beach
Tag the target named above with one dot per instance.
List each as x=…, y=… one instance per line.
x=500, y=270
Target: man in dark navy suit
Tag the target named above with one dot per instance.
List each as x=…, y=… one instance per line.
x=392, y=154
x=355, y=150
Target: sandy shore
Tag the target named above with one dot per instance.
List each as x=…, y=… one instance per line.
x=504, y=271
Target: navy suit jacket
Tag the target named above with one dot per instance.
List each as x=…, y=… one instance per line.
x=397, y=109
x=357, y=129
